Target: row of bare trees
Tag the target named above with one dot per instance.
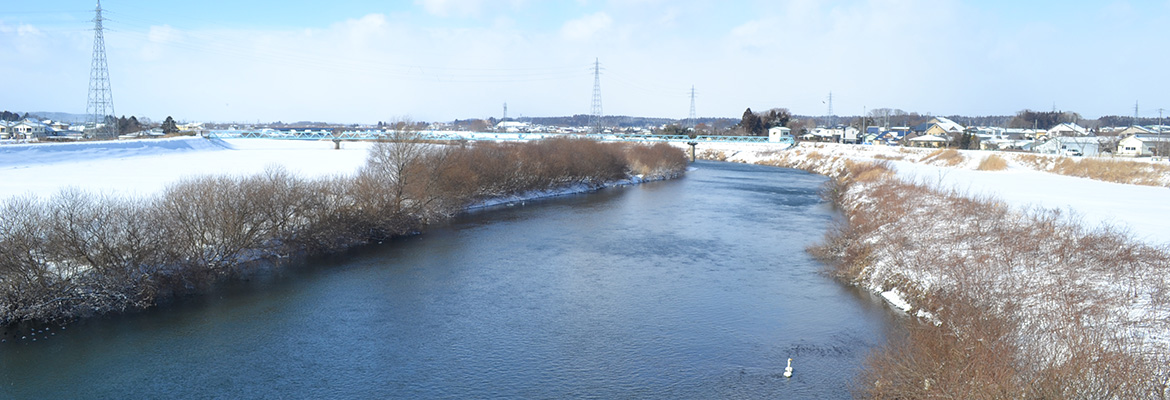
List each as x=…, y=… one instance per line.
x=1021, y=304
x=78, y=254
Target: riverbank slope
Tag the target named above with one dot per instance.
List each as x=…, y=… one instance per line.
x=1019, y=290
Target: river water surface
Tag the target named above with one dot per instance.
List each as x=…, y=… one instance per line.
x=693, y=288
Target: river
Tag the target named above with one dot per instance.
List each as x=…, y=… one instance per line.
x=692, y=288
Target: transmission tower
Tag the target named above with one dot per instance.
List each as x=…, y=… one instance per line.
x=691, y=118
x=831, y=110
x=595, y=109
x=1135, y=113
x=101, y=99
x=505, y=112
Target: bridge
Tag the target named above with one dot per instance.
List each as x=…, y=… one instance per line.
x=482, y=136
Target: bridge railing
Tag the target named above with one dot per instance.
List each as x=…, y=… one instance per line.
x=487, y=136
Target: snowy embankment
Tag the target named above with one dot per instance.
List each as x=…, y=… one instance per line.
x=1069, y=277
x=1144, y=211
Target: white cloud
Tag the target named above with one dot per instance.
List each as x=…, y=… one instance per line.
x=447, y=8
x=162, y=34
x=586, y=27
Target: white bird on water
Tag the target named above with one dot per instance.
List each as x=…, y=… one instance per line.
x=788, y=369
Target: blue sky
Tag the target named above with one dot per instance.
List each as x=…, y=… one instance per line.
x=436, y=60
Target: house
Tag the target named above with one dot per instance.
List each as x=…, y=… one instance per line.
x=938, y=126
x=27, y=129
x=928, y=141
x=946, y=125
x=779, y=134
x=1070, y=146
x=850, y=135
x=1144, y=145
x=1134, y=130
x=1067, y=129
x=822, y=134
x=5, y=129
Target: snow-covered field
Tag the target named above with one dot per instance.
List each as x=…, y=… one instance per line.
x=1142, y=210
x=145, y=167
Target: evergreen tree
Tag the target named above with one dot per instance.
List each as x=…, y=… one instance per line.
x=169, y=126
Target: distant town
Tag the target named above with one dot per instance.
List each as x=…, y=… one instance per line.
x=1058, y=133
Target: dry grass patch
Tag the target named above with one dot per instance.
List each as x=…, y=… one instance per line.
x=1130, y=172
x=712, y=155
x=992, y=163
x=887, y=157
x=1117, y=171
x=948, y=157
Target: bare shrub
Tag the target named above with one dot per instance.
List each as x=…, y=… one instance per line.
x=81, y=254
x=657, y=160
x=992, y=163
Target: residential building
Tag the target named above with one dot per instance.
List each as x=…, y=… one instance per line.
x=778, y=133
x=1070, y=146
x=1144, y=145
x=1067, y=129
x=928, y=141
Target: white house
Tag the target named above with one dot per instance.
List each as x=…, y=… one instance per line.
x=1143, y=145
x=1067, y=129
x=27, y=129
x=1070, y=146
x=776, y=134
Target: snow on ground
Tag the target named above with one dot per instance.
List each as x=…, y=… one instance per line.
x=146, y=167
x=1143, y=210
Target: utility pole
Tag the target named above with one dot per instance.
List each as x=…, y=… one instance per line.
x=595, y=109
x=100, y=105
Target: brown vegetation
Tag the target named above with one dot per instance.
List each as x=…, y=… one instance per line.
x=1017, y=305
x=1013, y=304
x=992, y=163
x=947, y=157
x=1118, y=171
x=78, y=254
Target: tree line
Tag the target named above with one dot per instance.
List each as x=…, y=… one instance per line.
x=78, y=254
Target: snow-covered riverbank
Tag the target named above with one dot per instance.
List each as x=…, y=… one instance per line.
x=103, y=226
x=1064, y=281
x=1143, y=211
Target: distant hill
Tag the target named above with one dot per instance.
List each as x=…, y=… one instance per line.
x=619, y=120
x=58, y=116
